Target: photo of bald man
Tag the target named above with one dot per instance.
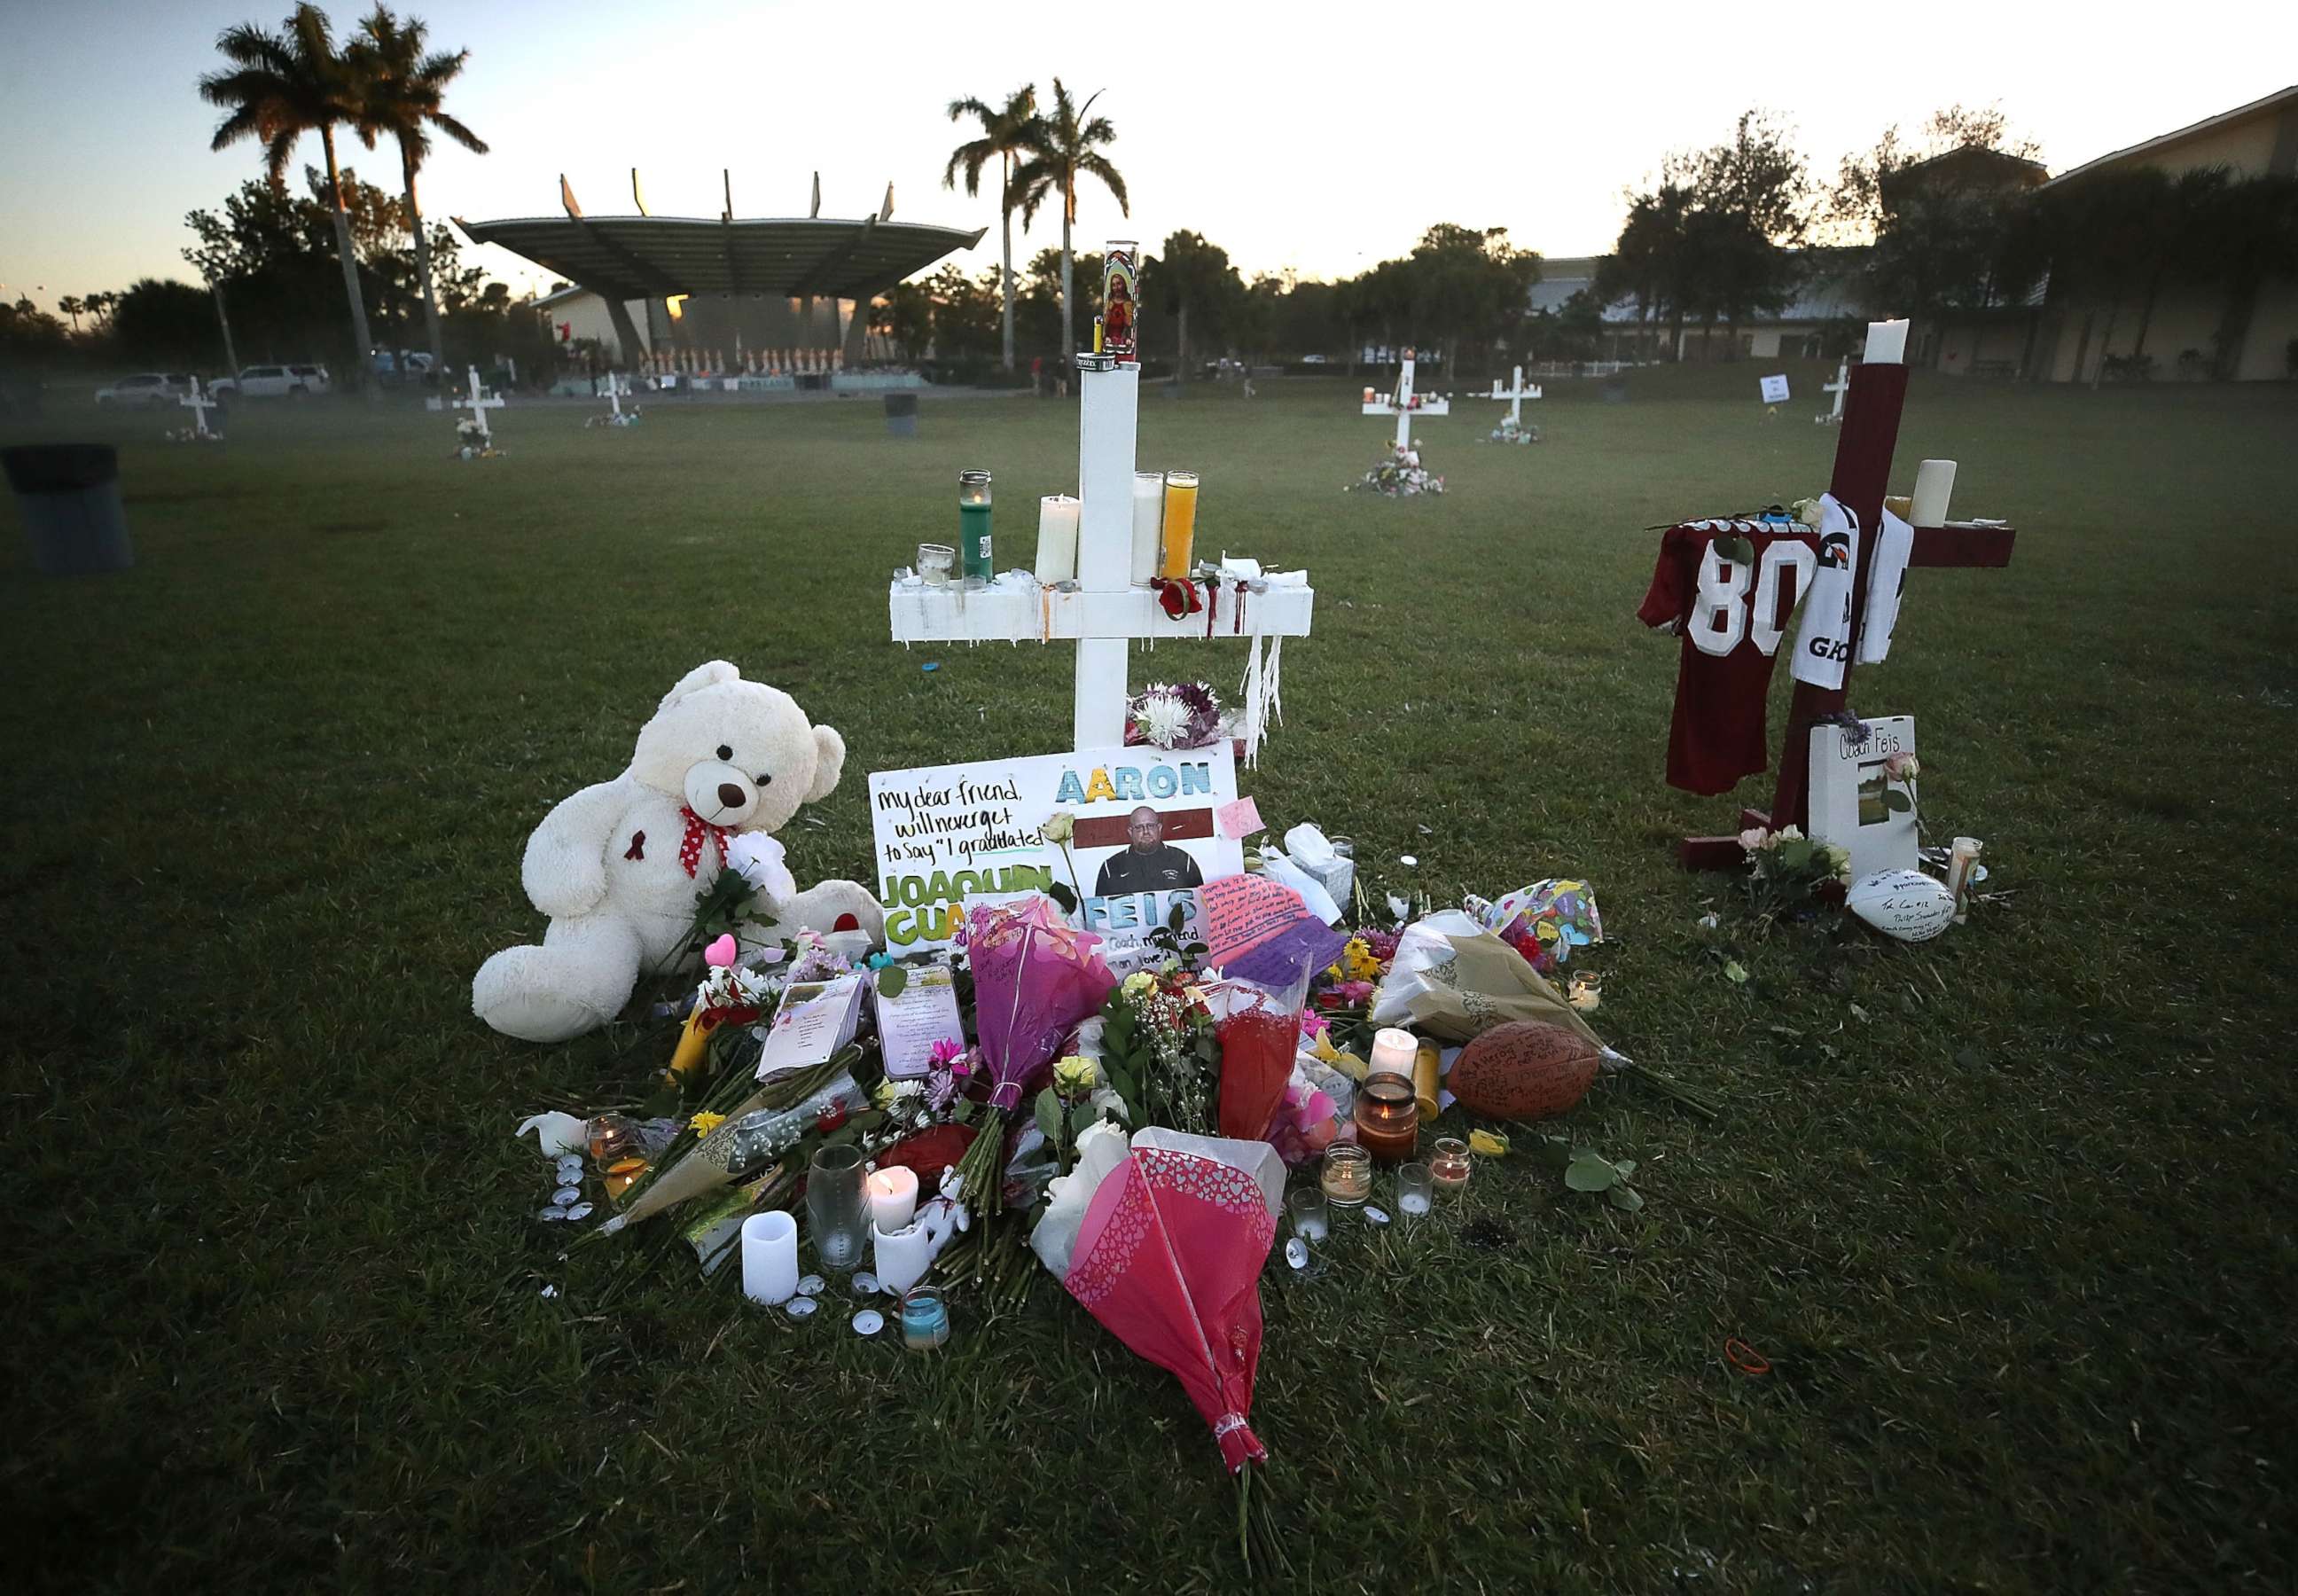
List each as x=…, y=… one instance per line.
x=1149, y=864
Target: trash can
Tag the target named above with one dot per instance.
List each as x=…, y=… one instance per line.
x=69, y=494
x=902, y=415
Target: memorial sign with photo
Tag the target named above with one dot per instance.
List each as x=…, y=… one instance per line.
x=1144, y=822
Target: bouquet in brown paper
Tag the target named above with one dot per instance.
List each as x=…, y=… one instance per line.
x=1454, y=979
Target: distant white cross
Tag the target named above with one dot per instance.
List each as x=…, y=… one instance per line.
x=615, y=397
x=1515, y=394
x=199, y=404
x=479, y=403
x=1400, y=406
x=1838, y=387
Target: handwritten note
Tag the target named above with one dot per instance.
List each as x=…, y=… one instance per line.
x=1240, y=819
x=1260, y=930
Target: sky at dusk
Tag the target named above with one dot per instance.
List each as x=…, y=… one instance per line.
x=1318, y=138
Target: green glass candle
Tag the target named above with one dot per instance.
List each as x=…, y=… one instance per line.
x=973, y=526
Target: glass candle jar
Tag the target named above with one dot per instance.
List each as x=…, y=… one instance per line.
x=1388, y=1118
x=1121, y=295
x=837, y=1208
x=1449, y=1164
x=1346, y=1179
x=925, y=1318
x=1306, y=1203
x=936, y=562
x=1180, y=524
x=1415, y=1189
x=973, y=526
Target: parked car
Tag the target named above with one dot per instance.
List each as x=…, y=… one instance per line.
x=142, y=391
x=401, y=365
x=272, y=382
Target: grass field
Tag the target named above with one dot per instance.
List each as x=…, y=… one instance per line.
x=2008, y=1212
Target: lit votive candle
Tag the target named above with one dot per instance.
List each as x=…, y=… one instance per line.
x=893, y=1197
x=1448, y=1165
x=1306, y=1203
x=1586, y=992
x=1057, y=538
x=1415, y=1189
x=1347, y=1176
x=1393, y=1052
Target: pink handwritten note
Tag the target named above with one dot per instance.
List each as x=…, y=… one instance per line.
x=1240, y=819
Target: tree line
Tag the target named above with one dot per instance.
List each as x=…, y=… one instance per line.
x=1956, y=220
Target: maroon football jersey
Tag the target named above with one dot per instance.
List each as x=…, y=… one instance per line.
x=1731, y=615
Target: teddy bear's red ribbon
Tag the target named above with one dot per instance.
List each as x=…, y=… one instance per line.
x=690, y=847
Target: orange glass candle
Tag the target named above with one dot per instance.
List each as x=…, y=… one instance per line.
x=1180, y=524
x=1388, y=1118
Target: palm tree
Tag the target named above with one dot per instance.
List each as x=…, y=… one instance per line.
x=1066, y=150
x=1007, y=134
x=405, y=88
x=72, y=306
x=281, y=85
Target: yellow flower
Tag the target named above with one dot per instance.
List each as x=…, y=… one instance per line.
x=1138, y=983
x=703, y=1124
x=1074, y=1077
x=1061, y=828
x=1357, y=963
x=1491, y=1144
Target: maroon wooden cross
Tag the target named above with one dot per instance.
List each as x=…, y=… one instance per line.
x=1863, y=470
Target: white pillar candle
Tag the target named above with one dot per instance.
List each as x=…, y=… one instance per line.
x=1057, y=538
x=1934, y=485
x=902, y=1256
x=1394, y=1051
x=770, y=1257
x=1148, y=523
x=1887, y=342
x=893, y=1197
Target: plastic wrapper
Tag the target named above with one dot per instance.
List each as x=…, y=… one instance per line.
x=1259, y=1028
x=1455, y=980
x=1543, y=921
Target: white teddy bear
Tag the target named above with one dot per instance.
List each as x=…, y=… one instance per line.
x=618, y=866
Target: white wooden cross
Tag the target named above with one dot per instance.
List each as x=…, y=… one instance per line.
x=1838, y=387
x=1105, y=610
x=1400, y=405
x=615, y=398
x=1516, y=395
x=479, y=403
x=199, y=404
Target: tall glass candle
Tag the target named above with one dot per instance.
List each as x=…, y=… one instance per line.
x=1148, y=523
x=1057, y=538
x=1181, y=522
x=1121, y=295
x=973, y=526
x=835, y=1209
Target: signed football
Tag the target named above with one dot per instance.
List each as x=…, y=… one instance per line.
x=1905, y=904
x=1523, y=1070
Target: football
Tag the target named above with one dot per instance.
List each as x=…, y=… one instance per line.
x=1523, y=1070
x=1905, y=904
